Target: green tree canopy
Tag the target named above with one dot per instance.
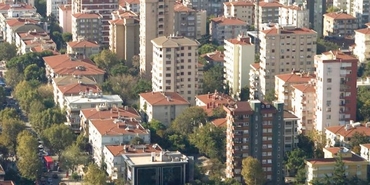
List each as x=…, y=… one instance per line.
x=58, y=137
x=210, y=140
x=189, y=120
x=244, y=94
x=67, y=37
x=213, y=79
x=359, y=138
x=363, y=103
x=95, y=175
x=106, y=59
x=46, y=119
x=137, y=141
x=218, y=112
x=252, y=171
x=295, y=160
x=41, y=7
x=331, y=9
x=339, y=173
x=10, y=129
x=324, y=45
x=7, y=51
x=8, y=113
x=28, y=162
x=207, y=48
x=25, y=92
x=33, y=72
x=72, y=156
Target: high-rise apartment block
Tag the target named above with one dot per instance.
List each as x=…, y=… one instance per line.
x=268, y=13
x=316, y=9
x=243, y=10
x=296, y=15
x=124, y=34
x=156, y=19
x=175, y=62
x=362, y=44
x=214, y=8
x=239, y=55
x=65, y=17
x=52, y=6
x=255, y=129
x=188, y=22
x=336, y=74
x=103, y=7
x=87, y=26
x=282, y=49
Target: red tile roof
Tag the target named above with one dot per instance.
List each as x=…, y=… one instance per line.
x=216, y=56
x=242, y=3
x=82, y=43
x=304, y=87
x=64, y=65
x=341, y=130
x=339, y=55
x=165, y=98
x=20, y=22
x=220, y=122
x=179, y=7
x=111, y=113
x=256, y=66
x=214, y=99
x=239, y=42
x=86, y=15
x=365, y=31
x=296, y=77
x=75, y=89
x=133, y=149
x=273, y=4
x=367, y=145
x=339, y=16
x=65, y=7
x=228, y=21
x=8, y=182
x=118, y=127
x=274, y=31
x=290, y=115
x=132, y=1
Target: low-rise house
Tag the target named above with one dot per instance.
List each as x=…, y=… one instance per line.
x=84, y=47
x=72, y=65
x=114, y=132
x=104, y=112
x=219, y=122
x=113, y=156
x=354, y=165
x=339, y=24
x=341, y=135
x=162, y=106
x=223, y=28
x=211, y=101
x=214, y=58
x=87, y=99
x=33, y=39
x=165, y=167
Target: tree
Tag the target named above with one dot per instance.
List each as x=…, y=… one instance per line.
x=8, y=113
x=67, y=37
x=307, y=145
x=72, y=156
x=119, y=181
x=41, y=7
x=252, y=171
x=339, y=173
x=210, y=140
x=207, y=48
x=359, y=138
x=188, y=120
x=2, y=97
x=142, y=86
x=10, y=129
x=95, y=175
x=25, y=92
x=218, y=112
x=57, y=38
x=214, y=168
x=33, y=72
x=46, y=119
x=137, y=141
x=363, y=104
x=122, y=85
x=28, y=162
x=295, y=160
x=300, y=178
x=12, y=77
x=58, y=137
x=7, y=51
x=270, y=96
x=244, y=94
x=324, y=45
x=331, y=9
x=213, y=79
x=319, y=139
x=106, y=59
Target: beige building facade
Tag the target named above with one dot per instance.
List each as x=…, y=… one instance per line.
x=362, y=44
x=65, y=17
x=296, y=14
x=339, y=24
x=87, y=26
x=243, y=10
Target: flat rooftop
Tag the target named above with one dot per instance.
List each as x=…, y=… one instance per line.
x=153, y=158
x=93, y=98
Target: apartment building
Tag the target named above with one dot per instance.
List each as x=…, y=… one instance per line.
x=167, y=167
x=130, y=5
x=84, y=47
x=33, y=41
x=316, y=9
x=113, y=156
x=296, y=14
x=255, y=129
x=365, y=151
x=214, y=58
x=175, y=62
x=362, y=44
x=354, y=165
x=341, y=135
x=124, y=34
x=303, y=105
x=65, y=17
x=213, y=8
x=254, y=81
x=162, y=106
x=284, y=89
x=210, y=101
x=290, y=131
x=239, y=55
x=361, y=10
x=243, y=10
x=87, y=26
x=114, y=132
x=189, y=22
x=223, y=28
x=72, y=65
x=282, y=49
x=52, y=7
x=102, y=7
x=336, y=75
x=268, y=12
x=344, y=5
x=156, y=20
x=339, y=24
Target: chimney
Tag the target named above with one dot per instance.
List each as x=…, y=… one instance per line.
x=308, y=74
x=125, y=107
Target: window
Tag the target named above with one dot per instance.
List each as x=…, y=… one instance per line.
x=328, y=80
